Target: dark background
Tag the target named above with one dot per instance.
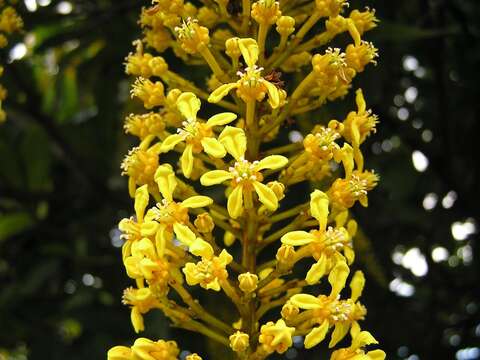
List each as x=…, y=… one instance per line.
x=61, y=193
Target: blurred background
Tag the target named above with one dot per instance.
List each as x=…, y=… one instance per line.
x=61, y=193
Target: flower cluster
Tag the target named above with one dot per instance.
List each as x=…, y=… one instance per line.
x=213, y=185
x=10, y=23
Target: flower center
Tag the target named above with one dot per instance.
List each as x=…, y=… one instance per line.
x=245, y=172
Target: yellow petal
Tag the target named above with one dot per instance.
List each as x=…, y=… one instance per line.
x=306, y=301
x=186, y=160
x=249, y=49
x=234, y=141
x=170, y=142
x=273, y=94
x=149, y=228
x=165, y=178
x=235, y=202
x=141, y=202
x=376, y=355
x=184, y=234
x=213, y=285
x=225, y=258
x=349, y=254
x=317, y=271
x=220, y=92
x=341, y=329
x=119, y=353
x=355, y=329
x=317, y=335
x=213, y=147
x=201, y=248
x=357, y=284
x=362, y=339
x=337, y=278
x=266, y=196
x=137, y=320
x=221, y=119
x=197, y=201
x=188, y=104
x=161, y=238
x=132, y=186
x=319, y=208
x=215, y=177
x=297, y=238
x=271, y=162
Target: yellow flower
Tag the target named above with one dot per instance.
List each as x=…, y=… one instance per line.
x=330, y=8
x=211, y=270
x=193, y=37
x=143, y=263
x=151, y=93
x=143, y=125
x=355, y=350
x=197, y=135
x=251, y=86
x=344, y=192
x=331, y=71
x=146, y=349
x=330, y=311
x=10, y=21
x=364, y=20
x=359, y=56
x=247, y=282
x=266, y=11
x=276, y=336
x=360, y=124
x=326, y=245
x=172, y=216
x=134, y=229
x=142, y=301
x=145, y=64
x=239, y=341
x=140, y=165
x=245, y=176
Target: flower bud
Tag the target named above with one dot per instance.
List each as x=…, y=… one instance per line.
x=285, y=25
x=239, y=342
x=285, y=255
x=158, y=65
x=204, y=223
x=232, y=49
x=289, y=310
x=247, y=282
x=266, y=11
x=193, y=356
x=228, y=238
x=278, y=188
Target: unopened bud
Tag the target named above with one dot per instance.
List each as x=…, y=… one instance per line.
x=278, y=188
x=247, y=282
x=289, y=310
x=172, y=97
x=239, y=342
x=285, y=25
x=285, y=255
x=204, y=223
x=228, y=238
x=232, y=49
x=193, y=356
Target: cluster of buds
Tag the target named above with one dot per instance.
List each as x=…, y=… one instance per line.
x=10, y=23
x=186, y=234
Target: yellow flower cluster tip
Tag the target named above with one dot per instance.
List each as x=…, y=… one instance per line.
x=10, y=23
x=213, y=178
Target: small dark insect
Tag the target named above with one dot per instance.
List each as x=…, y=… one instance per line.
x=275, y=78
x=234, y=7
